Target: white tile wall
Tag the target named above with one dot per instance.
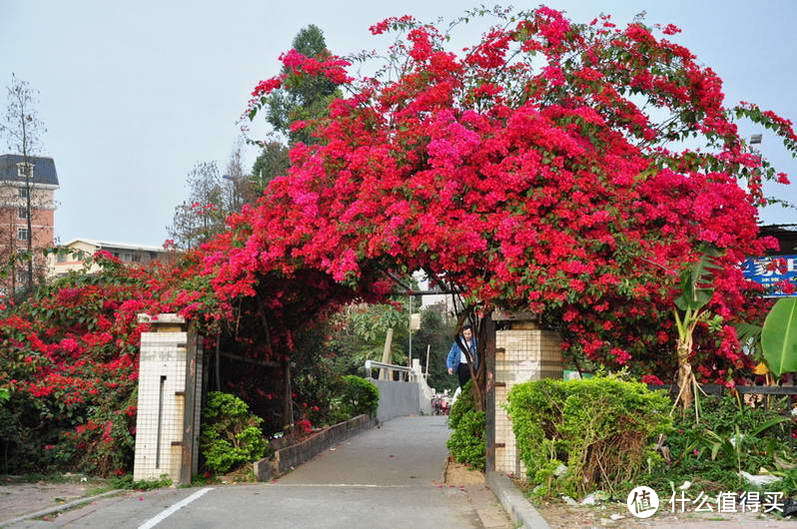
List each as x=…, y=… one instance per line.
x=163, y=354
x=527, y=355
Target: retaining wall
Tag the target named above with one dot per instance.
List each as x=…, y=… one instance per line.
x=397, y=399
x=292, y=456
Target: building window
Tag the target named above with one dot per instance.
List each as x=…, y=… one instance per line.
x=126, y=257
x=23, y=192
x=22, y=234
x=23, y=213
x=24, y=170
x=136, y=257
x=62, y=257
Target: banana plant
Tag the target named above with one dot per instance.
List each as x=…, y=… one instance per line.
x=779, y=337
x=690, y=310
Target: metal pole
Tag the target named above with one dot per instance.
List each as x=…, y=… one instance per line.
x=409, y=326
x=428, y=347
x=383, y=374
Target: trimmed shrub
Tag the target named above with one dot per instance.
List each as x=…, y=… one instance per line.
x=576, y=436
x=462, y=405
x=230, y=435
x=467, y=442
x=356, y=396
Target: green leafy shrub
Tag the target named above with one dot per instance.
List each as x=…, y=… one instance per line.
x=467, y=442
x=356, y=396
x=464, y=403
x=729, y=437
x=576, y=436
x=230, y=435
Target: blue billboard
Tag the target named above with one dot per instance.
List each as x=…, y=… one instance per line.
x=771, y=270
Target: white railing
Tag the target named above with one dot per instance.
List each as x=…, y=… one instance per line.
x=405, y=373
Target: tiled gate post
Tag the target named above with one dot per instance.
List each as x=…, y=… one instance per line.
x=523, y=352
x=169, y=400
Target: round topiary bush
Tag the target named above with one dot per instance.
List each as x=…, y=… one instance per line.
x=230, y=434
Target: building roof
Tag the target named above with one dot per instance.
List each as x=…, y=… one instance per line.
x=43, y=169
x=105, y=245
x=786, y=234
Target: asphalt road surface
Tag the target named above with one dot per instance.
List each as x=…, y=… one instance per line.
x=387, y=477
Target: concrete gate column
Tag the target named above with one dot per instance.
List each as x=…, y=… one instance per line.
x=523, y=352
x=169, y=400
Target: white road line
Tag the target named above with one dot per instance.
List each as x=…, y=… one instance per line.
x=152, y=522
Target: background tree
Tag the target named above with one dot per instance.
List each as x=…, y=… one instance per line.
x=23, y=131
x=301, y=98
x=202, y=215
x=272, y=161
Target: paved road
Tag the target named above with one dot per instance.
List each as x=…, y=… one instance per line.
x=383, y=478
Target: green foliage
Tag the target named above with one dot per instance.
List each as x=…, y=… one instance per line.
x=273, y=161
x=464, y=403
x=230, y=435
x=357, y=396
x=729, y=437
x=437, y=335
x=302, y=97
x=467, y=443
x=359, y=332
x=600, y=429
x=779, y=337
x=695, y=281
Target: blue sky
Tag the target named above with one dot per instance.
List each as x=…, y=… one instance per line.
x=134, y=93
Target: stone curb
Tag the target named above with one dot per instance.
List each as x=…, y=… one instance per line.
x=516, y=505
x=59, y=508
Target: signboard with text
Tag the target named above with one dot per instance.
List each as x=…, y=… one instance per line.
x=772, y=272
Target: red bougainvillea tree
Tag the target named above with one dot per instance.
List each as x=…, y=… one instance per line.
x=564, y=168
x=69, y=356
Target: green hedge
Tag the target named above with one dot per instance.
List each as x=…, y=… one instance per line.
x=467, y=441
x=230, y=434
x=576, y=436
x=355, y=396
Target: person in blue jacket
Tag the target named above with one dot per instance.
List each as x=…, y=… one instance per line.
x=457, y=360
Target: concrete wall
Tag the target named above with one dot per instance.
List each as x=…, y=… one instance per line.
x=397, y=399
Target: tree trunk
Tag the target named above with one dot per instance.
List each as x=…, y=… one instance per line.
x=685, y=377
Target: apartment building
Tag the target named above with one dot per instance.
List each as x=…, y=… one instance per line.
x=19, y=178
x=81, y=250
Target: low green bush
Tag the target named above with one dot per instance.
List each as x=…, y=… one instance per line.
x=467, y=442
x=356, y=396
x=577, y=436
x=464, y=403
x=230, y=434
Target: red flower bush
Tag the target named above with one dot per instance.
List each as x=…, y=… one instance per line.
x=569, y=169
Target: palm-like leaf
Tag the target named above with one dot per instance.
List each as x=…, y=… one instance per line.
x=696, y=291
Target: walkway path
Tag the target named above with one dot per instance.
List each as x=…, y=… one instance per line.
x=383, y=478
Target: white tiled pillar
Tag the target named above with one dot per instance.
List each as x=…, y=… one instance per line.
x=169, y=382
x=522, y=354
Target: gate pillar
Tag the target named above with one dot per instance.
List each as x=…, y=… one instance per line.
x=169, y=400
x=523, y=352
